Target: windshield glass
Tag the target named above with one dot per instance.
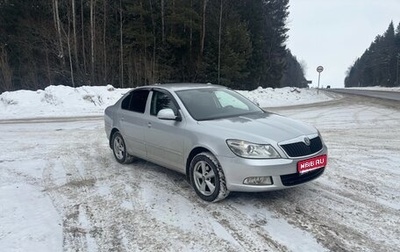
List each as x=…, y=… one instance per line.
x=215, y=103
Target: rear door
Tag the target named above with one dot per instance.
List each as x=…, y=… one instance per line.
x=133, y=121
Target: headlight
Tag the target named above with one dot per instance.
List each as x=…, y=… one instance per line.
x=251, y=150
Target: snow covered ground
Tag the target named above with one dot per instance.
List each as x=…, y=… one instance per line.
x=62, y=190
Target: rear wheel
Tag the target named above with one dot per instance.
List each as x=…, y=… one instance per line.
x=207, y=177
x=119, y=149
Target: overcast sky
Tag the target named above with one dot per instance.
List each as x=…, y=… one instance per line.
x=335, y=33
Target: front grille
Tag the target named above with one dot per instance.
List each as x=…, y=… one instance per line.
x=300, y=149
x=296, y=178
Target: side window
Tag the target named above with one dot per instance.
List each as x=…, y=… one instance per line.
x=160, y=101
x=136, y=101
x=126, y=102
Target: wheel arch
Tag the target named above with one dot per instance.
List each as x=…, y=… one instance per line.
x=191, y=155
x=113, y=131
x=220, y=192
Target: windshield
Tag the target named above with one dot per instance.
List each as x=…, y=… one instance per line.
x=215, y=103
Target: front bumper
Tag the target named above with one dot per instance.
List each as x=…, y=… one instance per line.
x=282, y=171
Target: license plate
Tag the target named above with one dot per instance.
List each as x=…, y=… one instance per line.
x=312, y=164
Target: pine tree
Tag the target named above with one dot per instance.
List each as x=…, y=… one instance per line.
x=293, y=74
x=378, y=65
x=238, y=43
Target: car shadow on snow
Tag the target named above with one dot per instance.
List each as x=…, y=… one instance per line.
x=164, y=177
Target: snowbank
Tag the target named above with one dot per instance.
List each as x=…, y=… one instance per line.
x=378, y=88
x=58, y=101
x=270, y=97
x=64, y=101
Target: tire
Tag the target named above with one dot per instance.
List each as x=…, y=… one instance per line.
x=207, y=177
x=119, y=149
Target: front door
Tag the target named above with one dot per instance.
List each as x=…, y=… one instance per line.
x=165, y=138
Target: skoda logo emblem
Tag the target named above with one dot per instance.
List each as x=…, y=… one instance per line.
x=307, y=141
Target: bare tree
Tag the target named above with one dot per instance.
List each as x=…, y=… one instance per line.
x=83, y=37
x=104, y=40
x=5, y=70
x=153, y=63
x=70, y=56
x=57, y=23
x=162, y=21
x=92, y=38
x=68, y=39
x=74, y=34
x=191, y=32
x=203, y=29
x=121, y=44
x=219, y=41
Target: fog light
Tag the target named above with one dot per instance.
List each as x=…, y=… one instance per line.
x=258, y=181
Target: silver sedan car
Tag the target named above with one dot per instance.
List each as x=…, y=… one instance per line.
x=219, y=139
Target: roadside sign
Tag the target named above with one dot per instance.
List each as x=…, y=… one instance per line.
x=319, y=70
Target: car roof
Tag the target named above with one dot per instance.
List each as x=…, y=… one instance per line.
x=182, y=86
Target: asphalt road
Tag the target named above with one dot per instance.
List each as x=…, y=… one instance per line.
x=388, y=95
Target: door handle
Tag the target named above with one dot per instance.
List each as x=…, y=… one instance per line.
x=149, y=125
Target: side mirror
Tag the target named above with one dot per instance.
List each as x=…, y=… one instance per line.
x=167, y=114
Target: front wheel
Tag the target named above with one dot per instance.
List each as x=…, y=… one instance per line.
x=207, y=177
x=119, y=149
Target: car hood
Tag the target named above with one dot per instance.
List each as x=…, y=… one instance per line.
x=259, y=128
